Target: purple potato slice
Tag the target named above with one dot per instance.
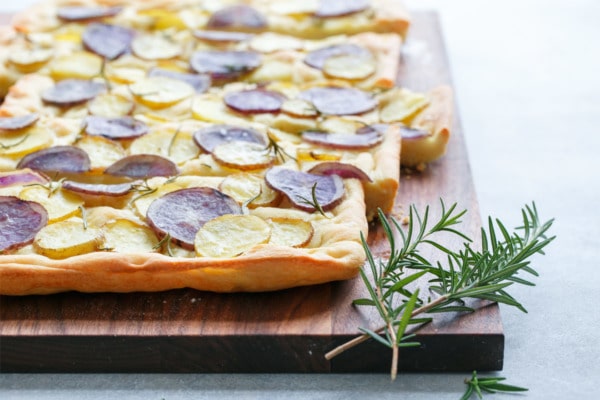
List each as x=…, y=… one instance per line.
x=108, y=41
x=339, y=101
x=22, y=177
x=20, y=221
x=20, y=122
x=180, y=214
x=224, y=64
x=255, y=101
x=114, y=128
x=317, y=58
x=413, y=133
x=298, y=186
x=143, y=166
x=72, y=91
x=82, y=13
x=69, y=159
x=340, y=8
x=210, y=137
x=340, y=169
x=238, y=16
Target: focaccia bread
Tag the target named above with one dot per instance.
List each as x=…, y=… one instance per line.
x=112, y=249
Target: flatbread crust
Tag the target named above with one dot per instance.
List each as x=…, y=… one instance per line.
x=335, y=253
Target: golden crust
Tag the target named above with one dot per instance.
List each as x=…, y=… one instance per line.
x=337, y=254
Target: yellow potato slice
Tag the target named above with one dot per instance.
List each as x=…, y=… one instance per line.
x=177, y=145
x=299, y=108
x=310, y=154
x=102, y=151
x=67, y=239
x=163, y=19
x=291, y=232
x=231, y=235
x=243, y=187
x=349, y=67
x=160, y=92
x=125, y=236
x=211, y=108
x=125, y=75
x=243, y=155
x=59, y=204
x=155, y=47
x=403, y=106
x=110, y=105
x=30, y=60
x=80, y=65
x=19, y=143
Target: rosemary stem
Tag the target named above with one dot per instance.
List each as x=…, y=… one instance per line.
x=362, y=338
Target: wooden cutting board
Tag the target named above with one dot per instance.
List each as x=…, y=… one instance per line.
x=285, y=331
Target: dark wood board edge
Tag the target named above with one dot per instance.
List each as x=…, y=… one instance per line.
x=70, y=345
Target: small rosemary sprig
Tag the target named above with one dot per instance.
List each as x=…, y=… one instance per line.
x=143, y=189
x=166, y=243
x=313, y=201
x=52, y=186
x=484, y=274
x=479, y=385
x=277, y=151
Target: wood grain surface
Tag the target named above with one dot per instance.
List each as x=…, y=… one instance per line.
x=285, y=331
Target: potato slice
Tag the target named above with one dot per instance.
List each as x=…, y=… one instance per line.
x=403, y=106
x=349, y=66
x=177, y=145
x=231, y=235
x=80, y=65
x=125, y=74
x=244, y=187
x=110, y=105
x=299, y=108
x=160, y=92
x=163, y=19
x=211, y=108
x=125, y=236
x=30, y=60
x=102, y=152
x=312, y=154
x=291, y=232
x=59, y=204
x=67, y=239
x=243, y=155
x=155, y=47
x=19, y=143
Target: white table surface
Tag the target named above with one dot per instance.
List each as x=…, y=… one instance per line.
x=527, y=81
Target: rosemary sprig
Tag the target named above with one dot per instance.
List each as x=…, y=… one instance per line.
x=484, y=274
x=277, y=151
x=143, y=189
x=166, y=243
x=52, y=186
x=479, y=385
x=313, y=201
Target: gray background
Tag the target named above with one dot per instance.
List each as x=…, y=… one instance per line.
x=527, y=83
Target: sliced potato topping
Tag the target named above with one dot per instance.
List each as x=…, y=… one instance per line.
x=160, y=92
x=175, y=144
x=270, y=42
x=231, y=235
x=164, y=19
x=30, y=60
x=290, y=232
x=67, y=239
x=22, y=142
x=243, y=155
x=349, y=66
x=299, y=108
x=110, y=105
x=79, y=65
x=244, y=187
x=402, y=106
x=59, y=204
x=102, y=151
x=155, y=47
x=125, y=236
